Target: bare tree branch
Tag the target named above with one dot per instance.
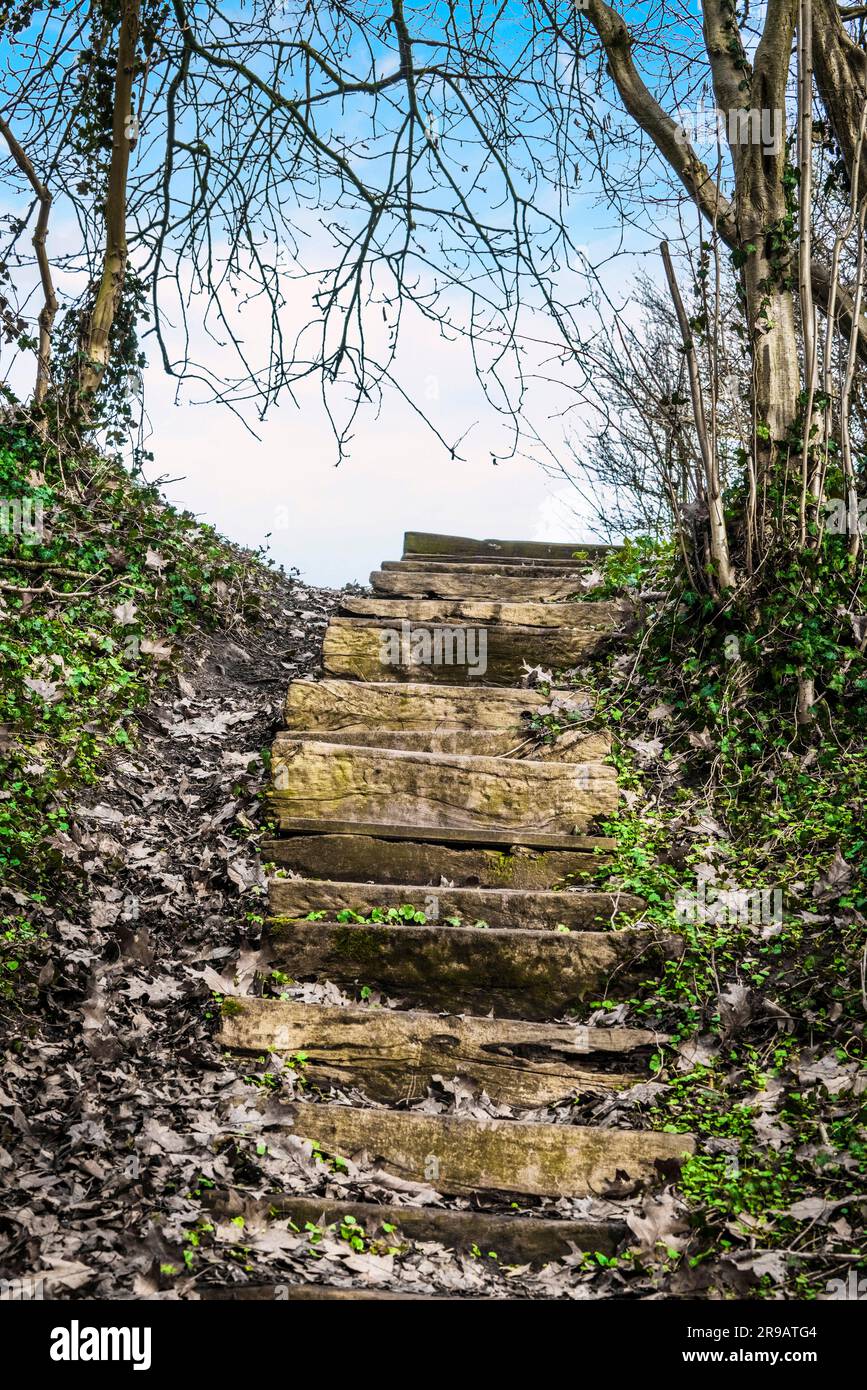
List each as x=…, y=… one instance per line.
x=48, y=311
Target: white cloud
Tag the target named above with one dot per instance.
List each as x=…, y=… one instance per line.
x=335, y=524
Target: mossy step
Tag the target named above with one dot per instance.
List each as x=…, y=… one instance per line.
x=359, y=858
x=514, y=1239
x=477, y=837
x=497, y=907
x=433, y=543
x=366, y=787
x=469, y=565
x=361, y=707
x=513, y=973
x=459, y=1156
x=541, y=564
x=547, y=615
x=486, y=582
x=494, y=654
x=393, y=1056
x=571, y=747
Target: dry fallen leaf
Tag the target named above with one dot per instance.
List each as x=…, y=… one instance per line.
x=827, y=1071
x=736, y=1007
x=48, y=691
x=125, y=612
x=775, y=1133
x=661, y=1219
x=660, y=713
x=810, y=1209
x=648, y=749
x=158, y=650
x=703, y=740
x=834, y=880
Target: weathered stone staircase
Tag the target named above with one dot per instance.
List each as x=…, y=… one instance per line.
x=397, y=783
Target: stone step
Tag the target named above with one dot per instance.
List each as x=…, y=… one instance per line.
x=432, y=543
x=393, y=1056
x=470, y=566
x=513, y=972
x=366, y=787
x=513, y=1239
x=496, y=907
x=575, y=615
x=459, y=1156
x=360, y=858
x=571, y=747
x=443, y=834
x=447, y=583
x=352, y=707
x=371, y=649
x=539, y=564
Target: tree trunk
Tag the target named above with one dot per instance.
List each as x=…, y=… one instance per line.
x=804, y=712
x=752, y=223
x=96, y=339
x=771, y=318
x=841, y=77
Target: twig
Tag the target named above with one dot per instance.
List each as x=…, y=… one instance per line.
x=718, y=535
x=805, y=272
x=48, y=566
x=832, y=1206
x=73, y=593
